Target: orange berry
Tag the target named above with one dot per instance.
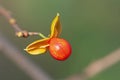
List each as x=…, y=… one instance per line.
x=59, y=49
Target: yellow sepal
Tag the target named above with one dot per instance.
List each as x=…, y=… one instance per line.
x=55, y=27
x=37, y=47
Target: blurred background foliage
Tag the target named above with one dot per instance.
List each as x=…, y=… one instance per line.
x=91, y=26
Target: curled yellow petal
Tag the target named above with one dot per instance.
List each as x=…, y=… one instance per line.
x=55, y=27
x=37, y=47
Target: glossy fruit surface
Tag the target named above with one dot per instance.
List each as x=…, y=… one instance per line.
x=59, y=49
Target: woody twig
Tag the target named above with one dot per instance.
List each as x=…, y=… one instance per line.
x=18, y=31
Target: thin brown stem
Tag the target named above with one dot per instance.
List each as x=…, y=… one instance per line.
x=9, y=17
x=18, y=31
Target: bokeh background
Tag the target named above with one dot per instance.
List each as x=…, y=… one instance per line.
x=91, y=26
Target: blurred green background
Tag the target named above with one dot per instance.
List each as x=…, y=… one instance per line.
x=91, y=26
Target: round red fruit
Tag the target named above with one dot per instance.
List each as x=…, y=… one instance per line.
x=59, y=49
